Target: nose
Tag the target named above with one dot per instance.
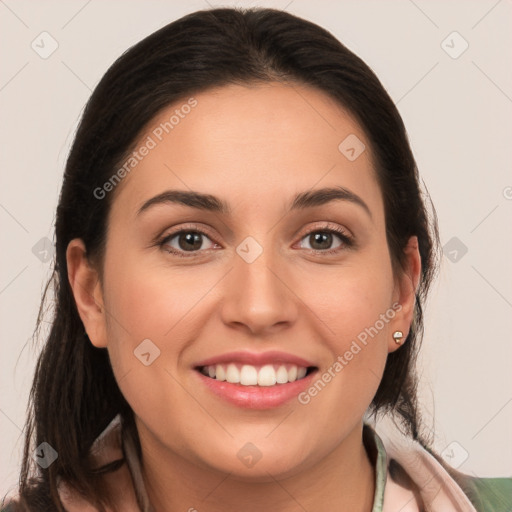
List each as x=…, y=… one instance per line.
x=259, y=296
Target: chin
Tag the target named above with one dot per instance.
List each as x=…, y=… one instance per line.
x=252, y=465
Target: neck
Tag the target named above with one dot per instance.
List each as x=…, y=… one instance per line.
x=342, y=480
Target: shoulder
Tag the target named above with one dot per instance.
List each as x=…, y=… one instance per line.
x=487, y=494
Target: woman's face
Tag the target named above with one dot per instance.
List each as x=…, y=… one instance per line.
x=259, y=283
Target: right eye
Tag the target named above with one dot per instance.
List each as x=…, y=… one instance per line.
x=183, y=241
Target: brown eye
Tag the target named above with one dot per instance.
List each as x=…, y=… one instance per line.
x=184, y=241
x=190, y=241
x=322, y=240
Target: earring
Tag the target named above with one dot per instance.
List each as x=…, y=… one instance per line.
x=397, y=336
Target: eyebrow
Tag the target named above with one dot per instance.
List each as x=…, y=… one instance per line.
x=208, y=202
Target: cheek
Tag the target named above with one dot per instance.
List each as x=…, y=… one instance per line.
x=152, y=302
x=354, y=300
x=355, y=309
x=147, y=303
x=145, y=329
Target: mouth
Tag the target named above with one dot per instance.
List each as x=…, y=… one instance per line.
x=255, y=386
x=267, y=375
x=255, y=380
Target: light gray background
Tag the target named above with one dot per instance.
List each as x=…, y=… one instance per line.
x=457, y=112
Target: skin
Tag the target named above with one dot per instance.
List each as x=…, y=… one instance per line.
x=255, y=147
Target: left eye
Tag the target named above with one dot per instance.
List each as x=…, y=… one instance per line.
x=324, y=238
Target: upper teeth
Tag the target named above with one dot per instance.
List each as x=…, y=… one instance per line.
x=248, y=375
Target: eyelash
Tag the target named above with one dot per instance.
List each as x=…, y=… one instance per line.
x=347, y=241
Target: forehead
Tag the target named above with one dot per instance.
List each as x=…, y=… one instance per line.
x=237, y=140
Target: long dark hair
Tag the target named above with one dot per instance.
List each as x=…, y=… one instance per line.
x=74, y=393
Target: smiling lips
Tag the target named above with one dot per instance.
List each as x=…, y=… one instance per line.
x=255, y=369
x=256, y=380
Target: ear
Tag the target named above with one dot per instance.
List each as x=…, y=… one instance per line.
x=405, y=292
x=86, y=287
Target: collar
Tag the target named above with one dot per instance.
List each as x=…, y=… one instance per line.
x=408, y=477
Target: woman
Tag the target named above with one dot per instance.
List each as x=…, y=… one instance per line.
x=243, y=252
